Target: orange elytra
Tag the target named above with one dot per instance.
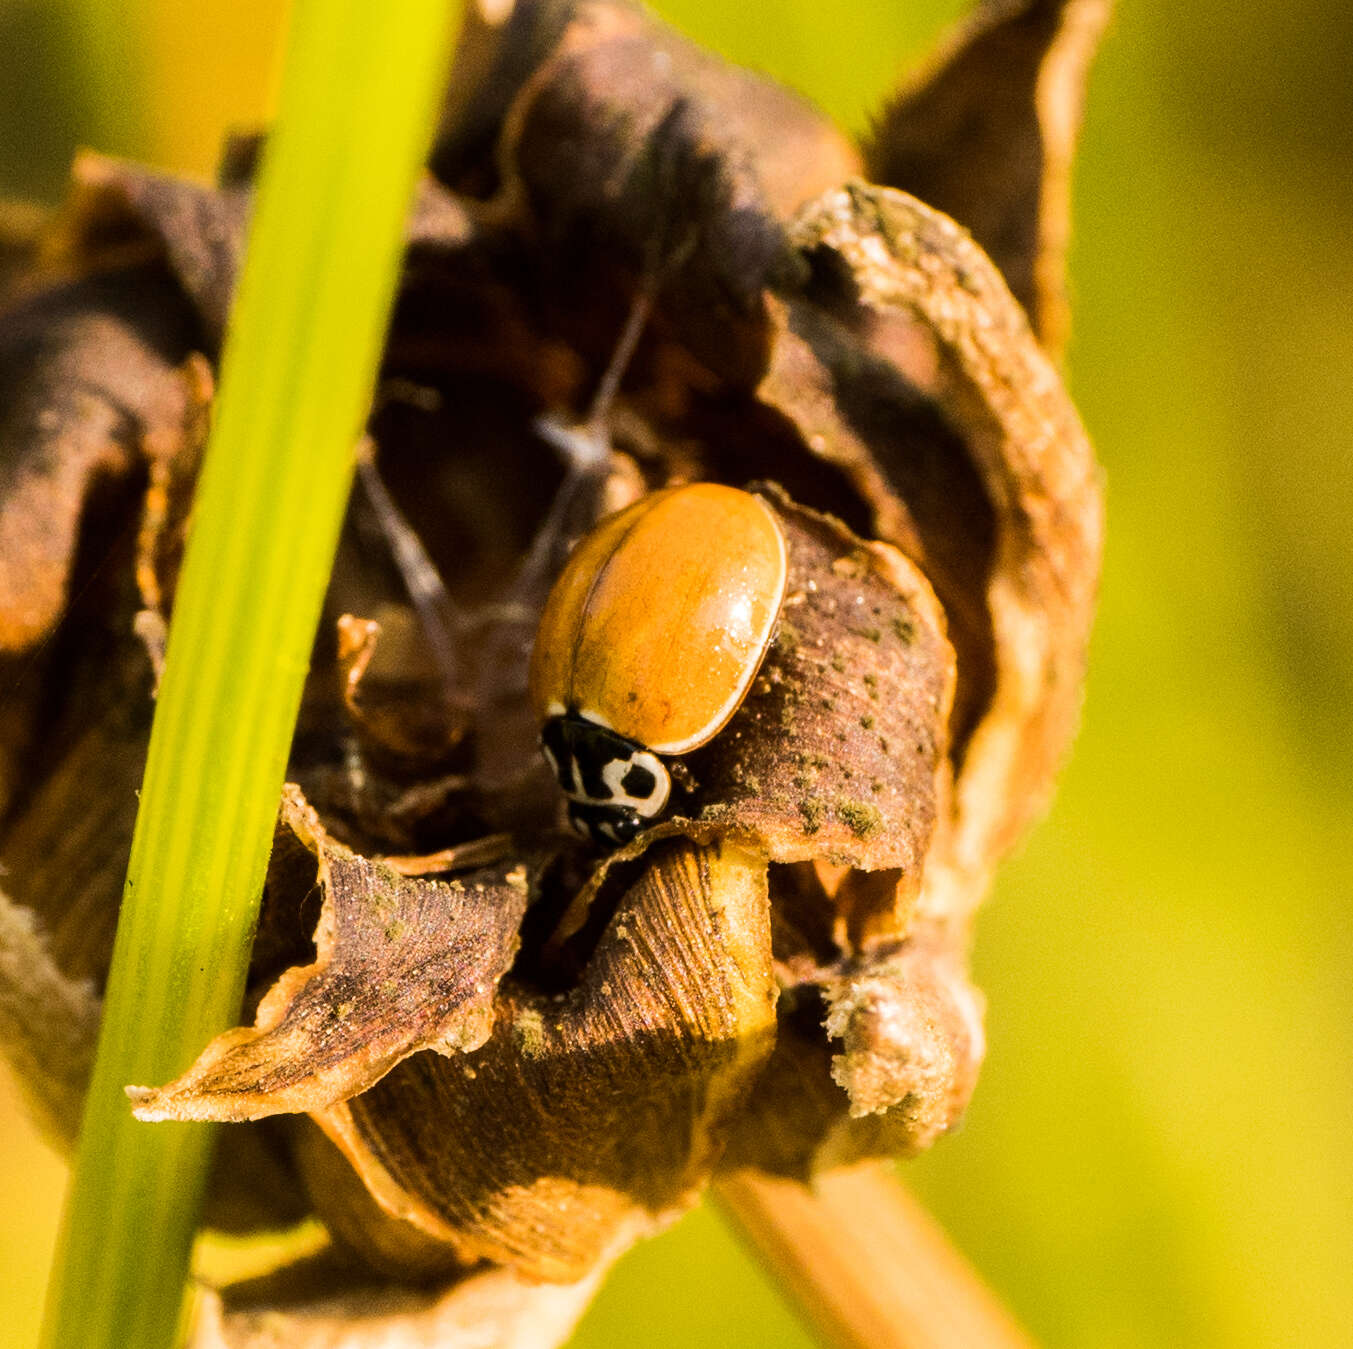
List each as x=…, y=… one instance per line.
x=648, y=643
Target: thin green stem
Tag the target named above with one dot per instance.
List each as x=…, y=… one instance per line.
x=357, y=105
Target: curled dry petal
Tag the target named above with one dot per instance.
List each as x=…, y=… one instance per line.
x=604, y=75
x=986, y=135
x=908, y=1030
x=92, y=390
x=634, y=152
x=86, y=373
x=911, y=311
x=588, y=1105
x=325, y=1304
x=117, y=210
x=357, y=1226
x=401, y=964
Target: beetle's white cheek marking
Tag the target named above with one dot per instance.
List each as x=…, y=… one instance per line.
x=613, y=775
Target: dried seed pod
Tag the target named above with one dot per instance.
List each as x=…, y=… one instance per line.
x=523, y=1052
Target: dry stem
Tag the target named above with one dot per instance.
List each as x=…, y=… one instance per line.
x=867, y=1265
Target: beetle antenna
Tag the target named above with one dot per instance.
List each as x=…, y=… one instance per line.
x=630, y=334
x=438, y=614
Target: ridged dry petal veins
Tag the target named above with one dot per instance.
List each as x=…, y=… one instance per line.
x=536, y=1149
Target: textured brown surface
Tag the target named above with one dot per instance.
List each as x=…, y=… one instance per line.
x=85, y=373
x=588, y=1105
x=402, y=964
x=838, y=751
x=918, y=293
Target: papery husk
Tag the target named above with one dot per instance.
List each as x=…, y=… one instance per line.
x=903, y=1046
x=909, y=309
x=326, y=1303
x=628, y=147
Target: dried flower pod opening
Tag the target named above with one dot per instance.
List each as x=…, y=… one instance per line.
x=520, y=1049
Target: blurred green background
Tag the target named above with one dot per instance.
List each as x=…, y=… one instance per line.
x=1160, y=1151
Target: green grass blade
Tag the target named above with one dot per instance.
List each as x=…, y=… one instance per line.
x=356, y=109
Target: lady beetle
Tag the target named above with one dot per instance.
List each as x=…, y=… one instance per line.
x=648, y=643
